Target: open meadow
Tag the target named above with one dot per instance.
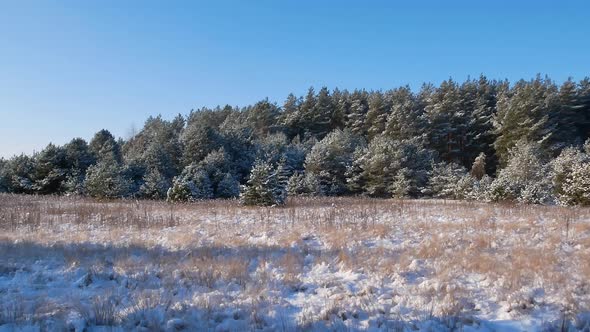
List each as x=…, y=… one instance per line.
x=315, y=264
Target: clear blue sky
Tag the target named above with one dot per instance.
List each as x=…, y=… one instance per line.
x=70, y=68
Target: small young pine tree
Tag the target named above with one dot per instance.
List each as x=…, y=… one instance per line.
x=228, y=187
x=576, y=189
x=106, y=180
x=263, y=187
x=446, y=181
x=193, y=184
x=402, y=184
x=526, y=178
x=154, y=185
x=478, y=170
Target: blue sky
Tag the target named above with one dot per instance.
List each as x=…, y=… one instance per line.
x=71, y=68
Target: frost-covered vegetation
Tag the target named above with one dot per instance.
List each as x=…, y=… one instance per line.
x=344, y=264
x=478, y=140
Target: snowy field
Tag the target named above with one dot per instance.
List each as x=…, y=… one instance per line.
x=327, y=264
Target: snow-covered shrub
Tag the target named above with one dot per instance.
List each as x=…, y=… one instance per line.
x=4, y=182
x=304, y=184
x=192, y=184
x=212, y=177
x=480, y=188
x=448, y=180
x=526, y=178
x=576, y=187
x=106, y=180
x=390, y=168
x=228, y=187
x=74, y=183
x=263, y=187
x=402, y=184
x=478, y=169
x=155, y=184
x=566, y=187
x=330, y=158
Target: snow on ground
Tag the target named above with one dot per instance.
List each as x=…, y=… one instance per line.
x=325, y=264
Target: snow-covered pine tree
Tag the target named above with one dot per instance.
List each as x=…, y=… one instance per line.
x=262, y=117
x=567, y=118
x=566, y=185
x=446, y=121
x=155, y=185
x=51, y=170
x=228, y=187
x=288, y=119
x=104, y=146
x=480, y=135
x=19, y=172
x=405, y=116
x=576, y=189
x=523, y=112
x=330, y=158
x=106, y=179
x=526, y=177
x=379, y=107
x=582, y=106
x=263, y=188
x=402, y=185
x=375, y=167
x=322, y=114
x=191, y=185
x=4, y=182
x=201, y=134
x=357, y=113
x=447, y=180
x=478, y=169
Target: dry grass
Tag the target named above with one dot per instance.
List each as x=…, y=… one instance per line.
x=246, y=255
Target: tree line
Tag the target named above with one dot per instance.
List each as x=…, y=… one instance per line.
x=480, y=139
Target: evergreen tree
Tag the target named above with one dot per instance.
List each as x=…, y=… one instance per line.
x=341, y=102
x=228, y=187
x=155, y=185
x=376, y=169
x=576, y=189
x=263, y=187
x=106, y=179
x=404, y=120
x=480, y=135
x=78, y=156
x=305, y=114
x=526, y=177
x=446, y=181
x=289, y=117
x=191, y=185
x=4, y=180
x=357, y=113
x=565, y=117
x=201, y=134
x=262, y=118
x=379, y=106
x=562, y=169
x=19, y=173
x=238, y=144
x=329, y=159
x=321, y=117
x=104, y=146
x=51, y=170
x=478, y=169
x=447, y=122
x=582, y=106
x=304, y=184
x=523, y=113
